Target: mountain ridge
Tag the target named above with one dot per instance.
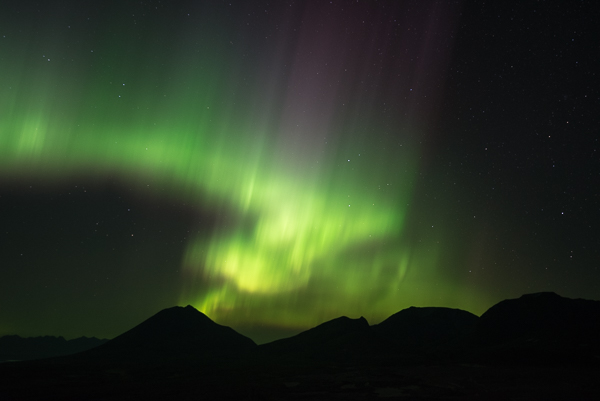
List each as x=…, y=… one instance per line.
x=542, y=321
x=14, y=347
x=174, y=333
x=428, y=353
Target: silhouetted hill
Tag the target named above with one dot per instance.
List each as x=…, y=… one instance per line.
x=540, y=346
x=341, y=337
x=16, y=348
x=541, y=324
x=541, y=316
x=415, y=329
x=174, y=333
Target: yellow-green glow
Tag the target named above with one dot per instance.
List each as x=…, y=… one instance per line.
x=281, y=228
x=310, y=193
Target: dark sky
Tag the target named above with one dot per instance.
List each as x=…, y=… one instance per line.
x=279, y=164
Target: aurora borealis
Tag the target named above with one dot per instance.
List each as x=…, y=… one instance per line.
x=319, y=146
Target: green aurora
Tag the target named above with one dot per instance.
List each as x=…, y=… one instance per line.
x=311, y=185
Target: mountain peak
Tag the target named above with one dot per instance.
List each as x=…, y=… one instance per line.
x=424, y=326
x=541, y=295
x=539, y=316
x=323, y=338
x=176, y=332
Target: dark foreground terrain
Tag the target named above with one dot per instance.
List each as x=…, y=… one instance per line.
x=537, y=347
x=436, y=381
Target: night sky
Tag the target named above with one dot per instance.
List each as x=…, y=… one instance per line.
x=277, y=164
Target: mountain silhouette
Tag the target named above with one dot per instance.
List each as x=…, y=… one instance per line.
x=417, y=328
x=543, y=317
x=174, y=333
x=539, y=346
x=340, y=337
x=541, y=328
x=16, y=348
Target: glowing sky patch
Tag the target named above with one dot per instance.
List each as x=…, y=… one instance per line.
x=310, y=134
x=281, y=226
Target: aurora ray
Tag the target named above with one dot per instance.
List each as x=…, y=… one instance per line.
x=304, y=151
